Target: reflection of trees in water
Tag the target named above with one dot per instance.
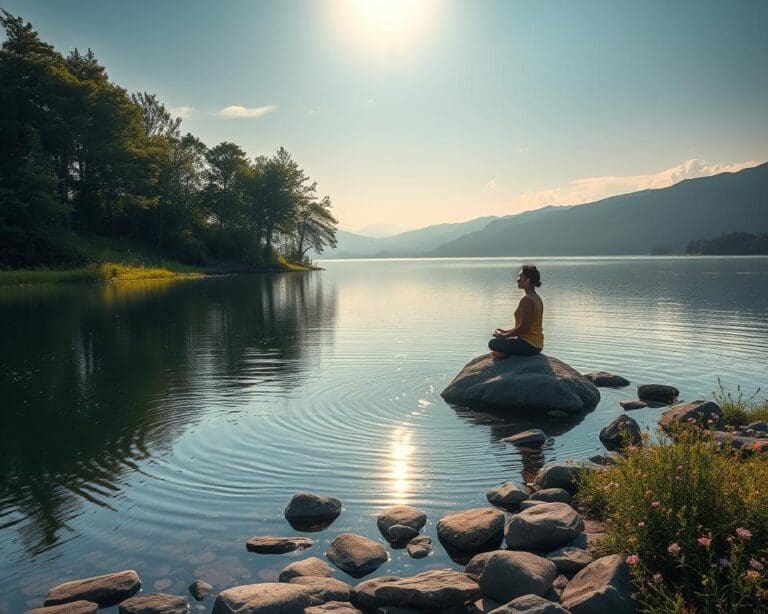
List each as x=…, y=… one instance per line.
x=92, y=378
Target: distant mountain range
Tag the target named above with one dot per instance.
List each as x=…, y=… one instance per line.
x=645, y=222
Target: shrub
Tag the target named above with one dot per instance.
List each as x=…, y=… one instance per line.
x=739, y=409
x=692, y=519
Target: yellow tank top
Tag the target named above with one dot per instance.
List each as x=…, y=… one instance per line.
x=535, y=333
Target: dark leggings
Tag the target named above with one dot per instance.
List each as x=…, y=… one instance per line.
x=513, y=347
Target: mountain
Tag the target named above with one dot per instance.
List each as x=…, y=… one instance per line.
x=379, y=230
x=645, y=222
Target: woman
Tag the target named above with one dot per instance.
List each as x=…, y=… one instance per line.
x=527, y=337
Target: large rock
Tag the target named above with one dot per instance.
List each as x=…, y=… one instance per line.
x=570, y=560
x=508, y=496
x=531, y=438
x=339, y=607
x=543, y=527
x=264, y=598
x=552, y=495
x=400, y=515
x=522, y=383
x=269, y=544
x=363, y=595
x=698, y=412
x=508, y=575
x=438, y=589
x=356, y=555
x=529, y=604
x=310, y=512
x=603, y=379
x=74, y=607
x=106, y=590
x=312, y=566
x=602, y=586
x=657, y=393
x=471, y=531
x=621, y=432
x=323, y=589
x=155, y=603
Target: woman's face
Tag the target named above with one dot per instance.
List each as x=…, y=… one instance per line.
x=522, y=281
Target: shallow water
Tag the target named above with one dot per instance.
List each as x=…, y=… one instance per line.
x=158, y=425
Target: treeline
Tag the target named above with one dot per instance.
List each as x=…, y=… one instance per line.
x=79, y=155
x=735, y=243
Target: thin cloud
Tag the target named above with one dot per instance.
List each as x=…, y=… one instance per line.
x=590, y=189
x=237, y=111
x=182, y=112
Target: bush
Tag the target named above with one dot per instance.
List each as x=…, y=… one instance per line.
x=692, y=519
x=740, y=410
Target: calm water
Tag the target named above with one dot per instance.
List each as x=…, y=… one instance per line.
x=157, y=426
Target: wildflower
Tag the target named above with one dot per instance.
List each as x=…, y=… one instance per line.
x=679, y=467
x=752, y=575
x=755, y=564
x=657, y=577
x=640, y=525
x=724, y=562
x=674, y=549
x=633, y=559
x=743, y=533
x=704, y=540
x=655, y=504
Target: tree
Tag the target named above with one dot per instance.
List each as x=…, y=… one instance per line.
x=223, y=194
x=315, y=228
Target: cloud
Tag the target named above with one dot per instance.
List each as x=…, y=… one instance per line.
x=490, y=186
x=590, y=189
x=237, y=111
x=182, y=112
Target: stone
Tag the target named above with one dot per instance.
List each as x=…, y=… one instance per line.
x=363, y=595
x=471, y=531
x=634, y=404
x=570, y=560
x=522, y=383
x=356, y=555
x=602, y=586
x=266, y=597
x=200, y=589
x=603, y=379
x=609, y=459
x=529, y=604
x=437, y=589
x=508, y=496
x=73, y=607
x=557, y=475
x=401, y=534
x=508, y=575
x=277, y=545
x=339, y=607
x=529, y=503
x=543, y=527
x=155, y=603
x=531, y=438
x=106, y=590
x=621, y=432
x=657, y=393
x=558, y=586
x=323, y=589
x=312, y=566
x=745, y=445
x=419, y=547
x=310, y=512
x=697, y=412
x=477, y=563
x=402, y=515
x=552, y=495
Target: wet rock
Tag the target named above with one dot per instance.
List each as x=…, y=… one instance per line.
x=522, y=383
x=106, y=590
x=635, y=404
x=621, y=432
x=508, y=496
x=508, y=575
x=74, y=607
x=570, y=560
x=277, y=545
x=401, y=534
x=339, y=607
x=155, y=603
x=312, y=566
x=310, y=512
x=323, y=589
x=702, y=413
x=602, y=586
x=477, y=563
x=356, y=555
x=363, y=595
x=543, y=527
x=438, y=589
x=603, y=379
x=266, y=597
x=529, y=604
x=531, y=438
x=471, y=531
x=200, y=589
x=419, y=547
x=400, y=515
x=552, y=495
x=657, y=393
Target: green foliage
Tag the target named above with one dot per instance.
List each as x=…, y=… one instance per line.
x=692, y=519
x=739, y=409
x=741, y=243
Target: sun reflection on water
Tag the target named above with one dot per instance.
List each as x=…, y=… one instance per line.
x=400, y=479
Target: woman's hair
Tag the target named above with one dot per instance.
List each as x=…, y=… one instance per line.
x=531, y=273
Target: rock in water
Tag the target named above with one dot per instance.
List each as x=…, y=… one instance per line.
x=508, y=575
x=438, y=589
x=73, y=607
x=657, y=393
x=508, y=496
x=630, y=405
x=400, y=514
x=532, y=438
x=419, y=547
x=154, y=603
x=544, y=527
x=602, y=586
x=603, y=379
x=522, y=383
x=310, y=512
x=269, y=544
x=106, y=590
x=621, y=432
x=264, y=597
x=200, y=589
x=356, y=555
x=471, y=531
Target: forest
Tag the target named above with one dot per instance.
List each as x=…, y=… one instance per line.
x=82, y=157
x=730, y=244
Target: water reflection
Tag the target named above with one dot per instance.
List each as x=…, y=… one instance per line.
x=400, y=479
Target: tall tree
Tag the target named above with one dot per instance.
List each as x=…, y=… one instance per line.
x=315, y=228
x=223, y=192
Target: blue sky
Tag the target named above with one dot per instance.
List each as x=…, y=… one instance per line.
x=410, y=113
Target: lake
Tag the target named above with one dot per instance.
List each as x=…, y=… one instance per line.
x=158, y=425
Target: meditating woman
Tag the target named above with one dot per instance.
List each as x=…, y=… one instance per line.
x=527, y=337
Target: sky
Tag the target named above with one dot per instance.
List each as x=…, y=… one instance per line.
x=417, y=112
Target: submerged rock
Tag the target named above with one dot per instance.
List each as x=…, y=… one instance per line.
x=530, y=438
x=263, y=597
x=623, y=431
x=471, y=531
x=603, y=379
x=657, y=393
x=602, y=586
x=356, y=555
x=522, y=383
x=106, y=590
x=277, y=545
x=508, y=575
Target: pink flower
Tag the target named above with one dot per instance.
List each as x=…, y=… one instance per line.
x=755, y=564
x=655, y=504
x=674, y=549
x=704, y=541
x=743, y=533
x=640, y=525
x=657, y=577
x=633, y=559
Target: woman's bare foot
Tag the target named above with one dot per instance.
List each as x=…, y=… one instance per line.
x=498, y=355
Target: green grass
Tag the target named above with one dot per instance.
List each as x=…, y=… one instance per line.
x=739, y=409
